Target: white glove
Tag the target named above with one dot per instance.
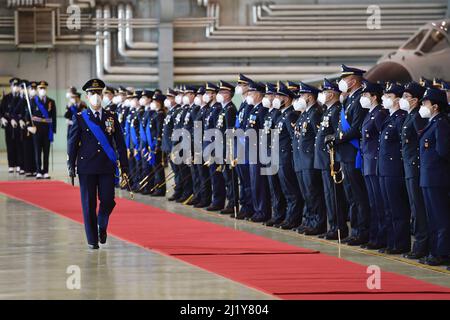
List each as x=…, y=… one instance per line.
x=4, y=121
x=22, y=123
x=14, y=123
x=32, y=129
x=69, y=122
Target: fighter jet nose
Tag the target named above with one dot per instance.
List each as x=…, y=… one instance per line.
x=388, y=71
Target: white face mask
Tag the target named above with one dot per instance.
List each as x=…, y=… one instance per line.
x=388, y=103
x=365, y=102
x=167, y=103
x=178, y=99
x=321, y=97
x=425, y=112
x=266, y=103
x=106, y=100
x=276, y=103
x=68, y=95
x=186, y=100
x=250, y=101
x=42, y=92
x=142, y=101
x=15, y=89
x=219, y=98
x=206, y=98
x=153, y=106
x=300, y=104
x=404, y=104
x=32, y=92
x=239, y=90
x=198, y=101
x=134, y=103
x=72, y=100
x=343, y=86
x=95, y=100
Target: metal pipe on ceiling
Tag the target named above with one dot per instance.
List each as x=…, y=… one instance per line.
x=128, y=15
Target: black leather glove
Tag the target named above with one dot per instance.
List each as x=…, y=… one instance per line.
x=329, y=141
x=72, y=173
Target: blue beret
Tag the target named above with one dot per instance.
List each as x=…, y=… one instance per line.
x=201, y=90
x=415, y=89
x=348, y=71
x=395, y=89
x=305, y=88
x=159, y=97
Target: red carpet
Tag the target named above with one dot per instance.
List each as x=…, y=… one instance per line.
x=280, y=269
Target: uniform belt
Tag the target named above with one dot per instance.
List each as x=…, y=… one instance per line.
x=43, y=120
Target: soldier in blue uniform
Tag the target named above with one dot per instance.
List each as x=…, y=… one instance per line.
x=370, y=143
x=411, y=129
x=335, y=201
x=226, y=120
x=246, y=209
x=348, y=154
x=284, y=124
x=75, y=105
x=134, y=139
x=147, y=143
x=108, y=97
x=186, y=178
x=391, y=175
x=155, y=125
x=94, y=139
x=166, y=146
x=188, y=124
x=215, y=170
x=10, y=103
x=29, y=163
x=435, y=174
x=202, y=171
x=309, y=178
x=277, y=199
x=259, y=183
x=44, y=119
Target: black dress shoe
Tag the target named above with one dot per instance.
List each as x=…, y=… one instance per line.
x=157, y=194
x=346, y=240
x=313, y=232
x=322, y=235
x=414, y=255
x=396, y=251
x=173, y=198
x=333, y=235
x=271, y=223
x=373, y=246
x=93, y=246
x=384, y=250
x=192, y=202
x=288, y=226
x=181, y=200
x=357, y=242
x=213, y=208
x=102, y=235
x=258, y=219
x=227, y=211
x=434, y=261
x=201, y=205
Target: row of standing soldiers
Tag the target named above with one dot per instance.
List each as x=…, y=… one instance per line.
x=375, y=155
x=28, y=117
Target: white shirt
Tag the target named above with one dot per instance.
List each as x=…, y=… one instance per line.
x=94, y=111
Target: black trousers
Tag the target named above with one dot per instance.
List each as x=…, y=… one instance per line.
x=13, y=146
x=42, y=148
x=29, y=158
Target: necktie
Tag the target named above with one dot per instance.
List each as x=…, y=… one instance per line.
x=97, y=115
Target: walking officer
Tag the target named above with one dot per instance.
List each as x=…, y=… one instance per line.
x=94, y=140
x=75, y=105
